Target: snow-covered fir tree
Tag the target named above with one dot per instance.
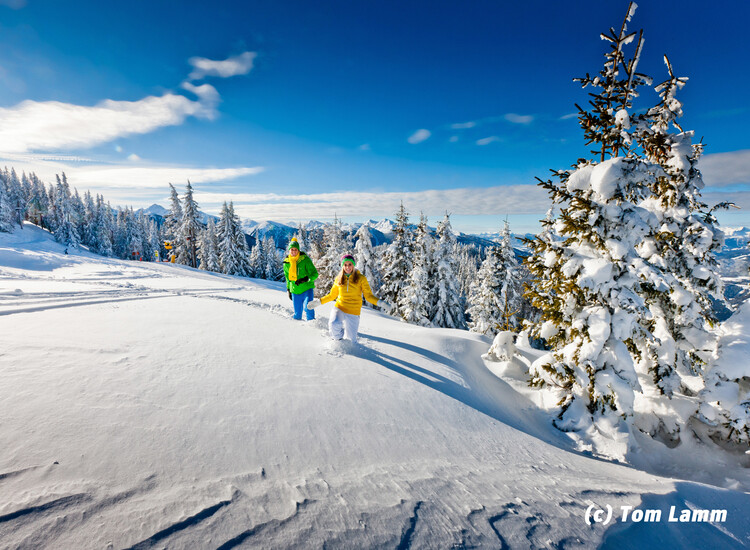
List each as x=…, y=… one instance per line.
x=685, y=244
x=469, y=260
x=367, y=261
x=447, y=304
x=234, y=255
x=208, y=250
x=16, y=200
x=414, y=305
x=329, y=264
x=105, y=229
x=173, y=220
x=588, y=284
x=256, y=261
x=190, y=227
x=397, y=260
x=273, y=269
x=6, y=213
x=65, y=227
x=496, y=295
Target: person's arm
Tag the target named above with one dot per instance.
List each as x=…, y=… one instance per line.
x=331, y=295
x=369, y=296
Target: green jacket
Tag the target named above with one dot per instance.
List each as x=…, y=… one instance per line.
x=305, y=268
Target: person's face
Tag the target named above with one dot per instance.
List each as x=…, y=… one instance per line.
x=348, y=267
x=293, y=252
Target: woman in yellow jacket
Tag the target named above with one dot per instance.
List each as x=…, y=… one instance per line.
x=349, y=287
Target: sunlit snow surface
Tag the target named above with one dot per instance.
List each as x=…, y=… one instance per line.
x=152, y=405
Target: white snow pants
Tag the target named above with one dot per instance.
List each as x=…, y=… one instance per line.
x=341, y=323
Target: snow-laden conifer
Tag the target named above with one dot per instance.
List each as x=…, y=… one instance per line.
x=190, y=228
x=447, y=304
x=6, y=214
x=65, y=227
x=367, y=261
x=173, y=218
x=208, y=249
x=329, y=264
x=415, y=306
x=234, y=254
x=496, y=295
x=397, y=260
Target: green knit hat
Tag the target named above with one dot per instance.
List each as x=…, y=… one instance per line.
x=293, y=243
x=348, y=258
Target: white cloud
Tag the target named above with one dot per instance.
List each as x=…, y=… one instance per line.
x=365, y=147
x=463, y=125
x=519, y=199
x=569, y=116
x=722, y=169
x=518, y=119
x=419, y=136
x=133, y=157
x=144, y=177
x=52, y=125
x=453, y=139
x=233, y=66
x=487, y=140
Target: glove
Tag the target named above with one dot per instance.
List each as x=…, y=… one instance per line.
x=301, y=281
x=312, y=304
x=290, y=294
x=386, y=306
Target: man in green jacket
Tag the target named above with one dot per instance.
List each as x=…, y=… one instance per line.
x=300, y=274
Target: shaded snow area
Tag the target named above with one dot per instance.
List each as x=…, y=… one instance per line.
x=152, y=405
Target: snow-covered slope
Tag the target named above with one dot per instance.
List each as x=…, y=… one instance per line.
x=155, y=405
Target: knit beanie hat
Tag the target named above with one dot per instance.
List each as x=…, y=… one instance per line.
x=294, y=243
x=348, y=258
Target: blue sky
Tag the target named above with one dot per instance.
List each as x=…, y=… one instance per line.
x=299, y=110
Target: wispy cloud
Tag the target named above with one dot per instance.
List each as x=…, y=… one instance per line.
x=518, y=119
x=520, y=199
x=419, y=136
x=52, y=125
x=232, y=66
x=463, y=125
x=722, y=169
x=487, y=140
x=134, y=175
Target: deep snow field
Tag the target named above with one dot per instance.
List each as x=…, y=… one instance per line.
x=152, y=405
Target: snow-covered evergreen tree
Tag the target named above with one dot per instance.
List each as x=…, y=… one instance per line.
x=273, y=269
x=397, y=260
x=256, y=261
x=367, y=261
x=496, y=296
x=105, y=228
x=209, y=248
x=234, y=256
x=588, y=284
x=6, y=213
x=16, y=197
x=65, y=227
x=173, y=220
x=329, y=264
x=685, y=243
x=190, y=228
x=448, y=309
x=415, y=305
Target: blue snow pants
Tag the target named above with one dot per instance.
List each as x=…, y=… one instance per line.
x=300, y=304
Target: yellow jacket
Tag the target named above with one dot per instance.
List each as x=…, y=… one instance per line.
x=348, y=296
